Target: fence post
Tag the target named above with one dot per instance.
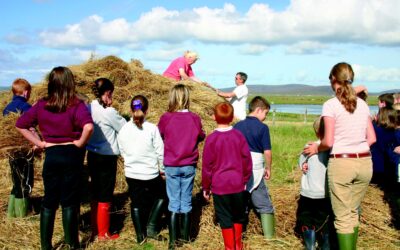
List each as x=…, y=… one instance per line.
x=273, y=116
x=305, y=116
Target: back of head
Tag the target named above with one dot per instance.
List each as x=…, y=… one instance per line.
x=178, y=98
x=20, y=85
x=319, y=127
x=386, y=118
x=258, y=102
x=396, y=98
x=397, y=118
x=243, y=76
x=100, y=86
x=60, y=89
x=387, y=99
x=139, y=106
x=191, y=54
x=343, y=75
x=223, y=113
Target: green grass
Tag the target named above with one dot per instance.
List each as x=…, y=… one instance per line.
x=305, y=99
x=289, y=117
x=288, y=141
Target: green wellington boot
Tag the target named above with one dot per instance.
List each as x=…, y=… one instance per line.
x=345, y=241
x=11, y=206
x=268, y=225
x=355, y=238
x=21, y=207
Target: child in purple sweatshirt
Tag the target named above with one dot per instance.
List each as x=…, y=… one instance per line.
x=227, y=167
x=181, y=131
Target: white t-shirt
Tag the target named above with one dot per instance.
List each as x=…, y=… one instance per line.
x=350, y=129
x=239, y=101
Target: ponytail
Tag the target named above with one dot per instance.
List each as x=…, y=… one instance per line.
x=343, y=75
x=139, y=106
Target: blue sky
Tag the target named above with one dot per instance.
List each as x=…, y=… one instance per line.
x=274, y=42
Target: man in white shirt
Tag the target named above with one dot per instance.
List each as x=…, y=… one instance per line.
x=238, y=96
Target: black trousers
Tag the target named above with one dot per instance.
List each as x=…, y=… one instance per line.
x=21, y=163
x=230, y=209
x=103, y=171
x=62, y=171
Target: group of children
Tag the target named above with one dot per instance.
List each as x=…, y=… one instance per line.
x=159, y=169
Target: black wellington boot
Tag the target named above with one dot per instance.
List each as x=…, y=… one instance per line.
x=173, y=230
x=70, y=225
x=138, y=225
x=185, y=227
x=47, y=217
x=154, y=219
x=309, y=239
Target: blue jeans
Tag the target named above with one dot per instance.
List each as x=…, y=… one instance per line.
x=179, y=188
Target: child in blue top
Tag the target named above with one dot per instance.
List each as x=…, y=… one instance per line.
x=258, y=138
x=314, y=213
x=21, y=161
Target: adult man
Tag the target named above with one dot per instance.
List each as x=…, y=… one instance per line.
x=238, y=96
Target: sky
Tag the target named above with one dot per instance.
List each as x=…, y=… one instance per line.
x=275, y=42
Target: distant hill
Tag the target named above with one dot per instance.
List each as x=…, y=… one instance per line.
x=297, y=89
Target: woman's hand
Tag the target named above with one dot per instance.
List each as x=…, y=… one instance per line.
x=311, y=149
x=206, y=195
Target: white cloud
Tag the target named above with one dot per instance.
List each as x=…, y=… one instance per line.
x=365, y=73
x=306, y=47
x=338, y=21
x=253, y=49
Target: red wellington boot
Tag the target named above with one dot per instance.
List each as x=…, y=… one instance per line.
x=103, y=222
x=238, y=228
x=229, y=238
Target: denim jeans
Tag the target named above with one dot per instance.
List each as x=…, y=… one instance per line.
x=179, y=188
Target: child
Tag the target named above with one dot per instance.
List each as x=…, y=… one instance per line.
x=142, y=148
x=66, y=126
x=314, y=205
x=21, y=161
x=181, y=131
x=102, y=156
x=257, y=136
x=227, y=168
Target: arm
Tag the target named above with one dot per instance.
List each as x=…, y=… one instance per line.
x=33, y=138
x=371, y=137
x=268, y=164
x=226, y=94
x=158, y=145
x=206, y=171
x=86, y=133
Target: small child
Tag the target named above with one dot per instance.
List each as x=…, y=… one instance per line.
x=314, y=209
x=227, y=168
x=258, y=138
x=181, y=131
x=396, y=145
x=21, y=161
x=142, y=148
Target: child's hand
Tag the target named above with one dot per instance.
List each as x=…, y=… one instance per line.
x=162, y=174
x=267, y=174
x=397, y=150
x=206, y=195
x=304, y=168
x=312, y=149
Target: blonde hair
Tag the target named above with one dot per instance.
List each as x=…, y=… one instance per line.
x=20, y=85
x=396, y=106
x=343, y=74
x=178, y=98
x=319, y=127
x=191, y=54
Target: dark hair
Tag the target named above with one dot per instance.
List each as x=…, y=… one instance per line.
x=343, y=74
x=139, y=106
x=386, y=118
x=100, y=86
x=258, y=102
x=243, y=76
x=60, y=89
x=387, y=98
x=223, y=113
x=397, y=118
x=363, y=95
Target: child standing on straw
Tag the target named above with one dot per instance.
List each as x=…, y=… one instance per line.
x=66, y=125
x=227, y=167
x=21, y=161
x=102, y=157
x=143, y=150
x=258, y=138
x=314, y=212
x=181, y=131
